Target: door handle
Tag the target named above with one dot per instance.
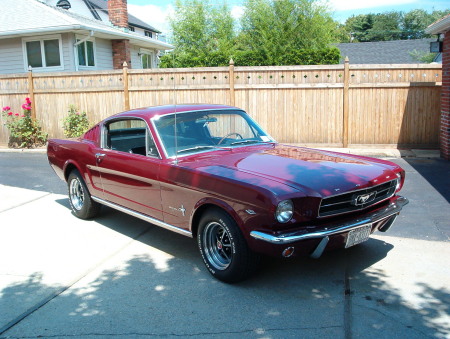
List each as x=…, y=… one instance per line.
x=99, y=156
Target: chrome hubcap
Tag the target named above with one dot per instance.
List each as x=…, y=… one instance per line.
x=217, y=246
x=76, y=194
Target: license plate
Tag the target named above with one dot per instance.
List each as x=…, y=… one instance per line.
x=358, y=236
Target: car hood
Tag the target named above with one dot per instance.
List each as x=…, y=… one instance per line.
x=314, y=172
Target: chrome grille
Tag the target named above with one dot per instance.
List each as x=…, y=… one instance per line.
x=356, y=200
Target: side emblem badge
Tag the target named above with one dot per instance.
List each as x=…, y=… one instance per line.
x=181, y=209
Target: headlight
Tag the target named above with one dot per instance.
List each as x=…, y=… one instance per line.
x=285, y=211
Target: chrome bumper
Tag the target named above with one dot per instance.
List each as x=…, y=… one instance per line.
x=336, y=228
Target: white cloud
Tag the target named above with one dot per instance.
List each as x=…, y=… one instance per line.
x=344, y=5
x=155, y=16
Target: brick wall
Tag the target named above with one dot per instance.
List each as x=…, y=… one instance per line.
x=121, y=53
x=118, y=15
x=445, y=99
x=118, y=12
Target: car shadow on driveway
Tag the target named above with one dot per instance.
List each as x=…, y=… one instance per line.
x=161, y=273
x=355, y=259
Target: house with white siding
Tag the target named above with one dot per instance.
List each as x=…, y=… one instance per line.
x=74, y=35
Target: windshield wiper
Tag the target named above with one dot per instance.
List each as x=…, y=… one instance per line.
x=245, y=142
x=195, y=148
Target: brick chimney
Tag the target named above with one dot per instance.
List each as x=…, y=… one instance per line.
x=118, y=12
x=118, y=15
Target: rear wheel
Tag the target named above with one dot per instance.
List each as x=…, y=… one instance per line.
x=80, y=200
x=224, y=249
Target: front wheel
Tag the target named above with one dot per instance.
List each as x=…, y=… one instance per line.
x=224, y=249
x=80, y=200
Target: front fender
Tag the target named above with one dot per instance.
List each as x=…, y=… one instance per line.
x=210, y=202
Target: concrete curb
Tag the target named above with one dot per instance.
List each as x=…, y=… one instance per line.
x=23, y=150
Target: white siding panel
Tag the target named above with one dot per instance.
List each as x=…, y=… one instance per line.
x=68, y=55
x=104, y=57
x=11, y=56
x=139, y=31
x=135, y=58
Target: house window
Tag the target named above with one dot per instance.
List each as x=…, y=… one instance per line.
x=43, y=52
x=86, y=54
x=146, y=58
x=146, y=61
x=131, y=28
x=149, y=34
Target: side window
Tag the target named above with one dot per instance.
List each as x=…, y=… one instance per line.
x=131, y=136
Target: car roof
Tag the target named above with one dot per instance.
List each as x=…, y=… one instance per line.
x=150, y=112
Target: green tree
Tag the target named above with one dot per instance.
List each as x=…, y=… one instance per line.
x=415, y=22
x=273, y=30
x=389, y=26
x=358, y=27
x=386, y=27
x=202, y=35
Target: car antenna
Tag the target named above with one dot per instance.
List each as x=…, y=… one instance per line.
x=175, y=108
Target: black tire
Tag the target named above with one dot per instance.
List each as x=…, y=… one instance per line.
x=79, y=197
x=223, y=247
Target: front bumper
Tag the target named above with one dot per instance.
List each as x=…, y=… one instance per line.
x=383, y=217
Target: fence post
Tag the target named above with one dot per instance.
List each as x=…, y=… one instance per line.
x=126, y=94
x=231, y=75
x=346, y=103
x=31, y=92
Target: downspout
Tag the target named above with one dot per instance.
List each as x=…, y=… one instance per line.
x=91, y=34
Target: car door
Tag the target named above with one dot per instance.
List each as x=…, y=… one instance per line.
x=129, y=167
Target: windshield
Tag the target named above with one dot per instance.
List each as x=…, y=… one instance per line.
x=208, y=130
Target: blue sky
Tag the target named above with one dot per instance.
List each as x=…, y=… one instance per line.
x=155, y=12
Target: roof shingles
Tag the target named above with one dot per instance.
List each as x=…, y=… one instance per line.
x=384, y=52
x=132, y=20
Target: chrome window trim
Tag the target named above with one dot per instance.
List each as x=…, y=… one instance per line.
x=104, y=130
x=156, y=117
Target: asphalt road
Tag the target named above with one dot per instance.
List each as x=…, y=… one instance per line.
x=31, y=171
x=120, y=277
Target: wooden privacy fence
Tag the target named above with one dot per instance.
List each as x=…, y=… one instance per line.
x=337, y=105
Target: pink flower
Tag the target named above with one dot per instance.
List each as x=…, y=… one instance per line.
x=23, y=116
x=26, y=107
x=6, y=108
x=17, y=114
x=10, y=113
x=28, y=101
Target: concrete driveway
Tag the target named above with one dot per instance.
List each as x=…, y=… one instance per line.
x=120, y=277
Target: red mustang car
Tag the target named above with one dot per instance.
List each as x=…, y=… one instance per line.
x=210, y=172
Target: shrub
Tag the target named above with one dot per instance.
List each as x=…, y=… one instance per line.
x=24, y=131
x=76, y=123
x=324, y=56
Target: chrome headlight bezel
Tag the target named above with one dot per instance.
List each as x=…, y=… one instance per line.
x=284, y=211
x=399, y=182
